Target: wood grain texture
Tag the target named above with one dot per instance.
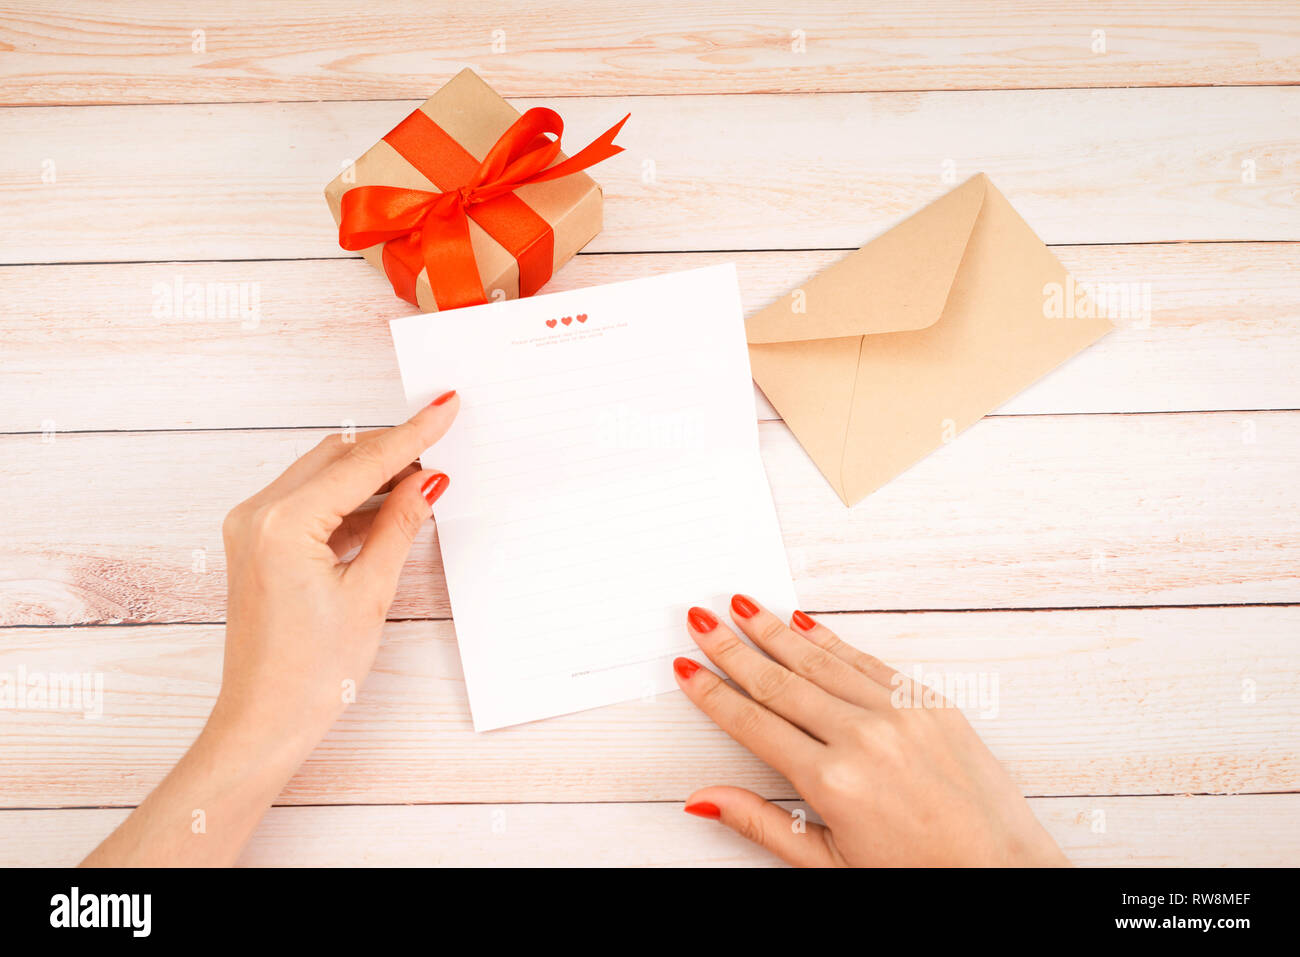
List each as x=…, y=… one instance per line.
x=83, y=52
x=312, y=346
x=1020, y=511
x=1193, y=191
x=1203, y=831
x=245, y=181
x=1130, y=701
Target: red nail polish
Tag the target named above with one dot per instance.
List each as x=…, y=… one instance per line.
x=701, y=620
x=803, y=621
x=434, y=487
x=445, y=397
x=704, y=809
x=685, y=667
x=743, y=607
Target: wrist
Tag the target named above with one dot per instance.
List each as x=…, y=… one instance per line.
x=263, y=747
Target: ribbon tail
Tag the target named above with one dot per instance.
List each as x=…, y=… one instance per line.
x=402, y=265
x=448, y=256
x=598, y=150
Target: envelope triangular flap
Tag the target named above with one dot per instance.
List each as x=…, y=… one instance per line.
x=898, y=282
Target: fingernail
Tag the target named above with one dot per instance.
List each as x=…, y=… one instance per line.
x=684, y=667
x=803, y=621
x=434, y=487
x=445, y=397
x=704, y=809
x=701, y=620
x=743, y=607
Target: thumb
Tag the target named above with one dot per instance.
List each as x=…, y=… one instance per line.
x=394, y=528
x=790, y=836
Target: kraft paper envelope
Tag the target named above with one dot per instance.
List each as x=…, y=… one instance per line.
x=890, y=352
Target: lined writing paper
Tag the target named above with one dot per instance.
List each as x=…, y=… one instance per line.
x=605, y=476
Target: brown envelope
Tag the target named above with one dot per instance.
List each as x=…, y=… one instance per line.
x=889, y=353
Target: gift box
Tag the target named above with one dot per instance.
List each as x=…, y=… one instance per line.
x=466, y=201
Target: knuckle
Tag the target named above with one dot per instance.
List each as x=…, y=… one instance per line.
x=369, y=455
x=408, y=523
x=836, y=776
x=714, y=696
x=885, y=739
x=728, y=647
x=232, y=526
x=770, y=630
x=815, y=662
x=751, y=828
x=267, y=521
x=874, y=667
x=332, y=443
x=746, y=721
x=864, y=734
x=770, y=683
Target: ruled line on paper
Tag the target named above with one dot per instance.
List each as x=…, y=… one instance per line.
x=592, y=504
x=569, y=567
x=624, y=613
x=588, y=387
x=531, y=435
x=610, y=663
x=607, y=405
x=572, y=476
x=550, y=548
x=602, y=365
x=551, y=531
x=510, y=458
x=548, y=535
x=606, y=400
x=530, y=471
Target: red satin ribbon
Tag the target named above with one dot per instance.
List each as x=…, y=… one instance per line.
x=427, y=230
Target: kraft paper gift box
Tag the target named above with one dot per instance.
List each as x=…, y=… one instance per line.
x=460, y=203
x=887, y=354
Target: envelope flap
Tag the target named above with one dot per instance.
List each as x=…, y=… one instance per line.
x=898, y=282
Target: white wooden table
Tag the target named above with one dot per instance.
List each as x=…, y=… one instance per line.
x=1120, y=544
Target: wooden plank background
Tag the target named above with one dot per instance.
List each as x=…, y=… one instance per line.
x=1093, y=831
x=108, y=52
x=700, y=173
x=1119, y=545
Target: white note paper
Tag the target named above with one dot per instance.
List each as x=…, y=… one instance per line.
x=605, y=476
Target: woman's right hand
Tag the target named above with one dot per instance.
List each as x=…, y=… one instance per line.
x=896, y=786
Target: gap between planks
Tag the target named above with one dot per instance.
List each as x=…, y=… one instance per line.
x=1221, y=333
x=1089, y=702
x=1246, y=830
x=80, y=53
x=696, y=166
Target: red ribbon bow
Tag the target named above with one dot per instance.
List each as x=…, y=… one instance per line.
x=427, y=230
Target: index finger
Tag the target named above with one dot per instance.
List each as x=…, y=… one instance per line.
x=352, y=478
x=773, y=739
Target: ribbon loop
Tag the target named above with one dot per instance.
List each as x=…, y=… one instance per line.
x=426, y=230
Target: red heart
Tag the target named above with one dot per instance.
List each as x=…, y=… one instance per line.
x=583, y=317
x=551, y=323
x=567, y=319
